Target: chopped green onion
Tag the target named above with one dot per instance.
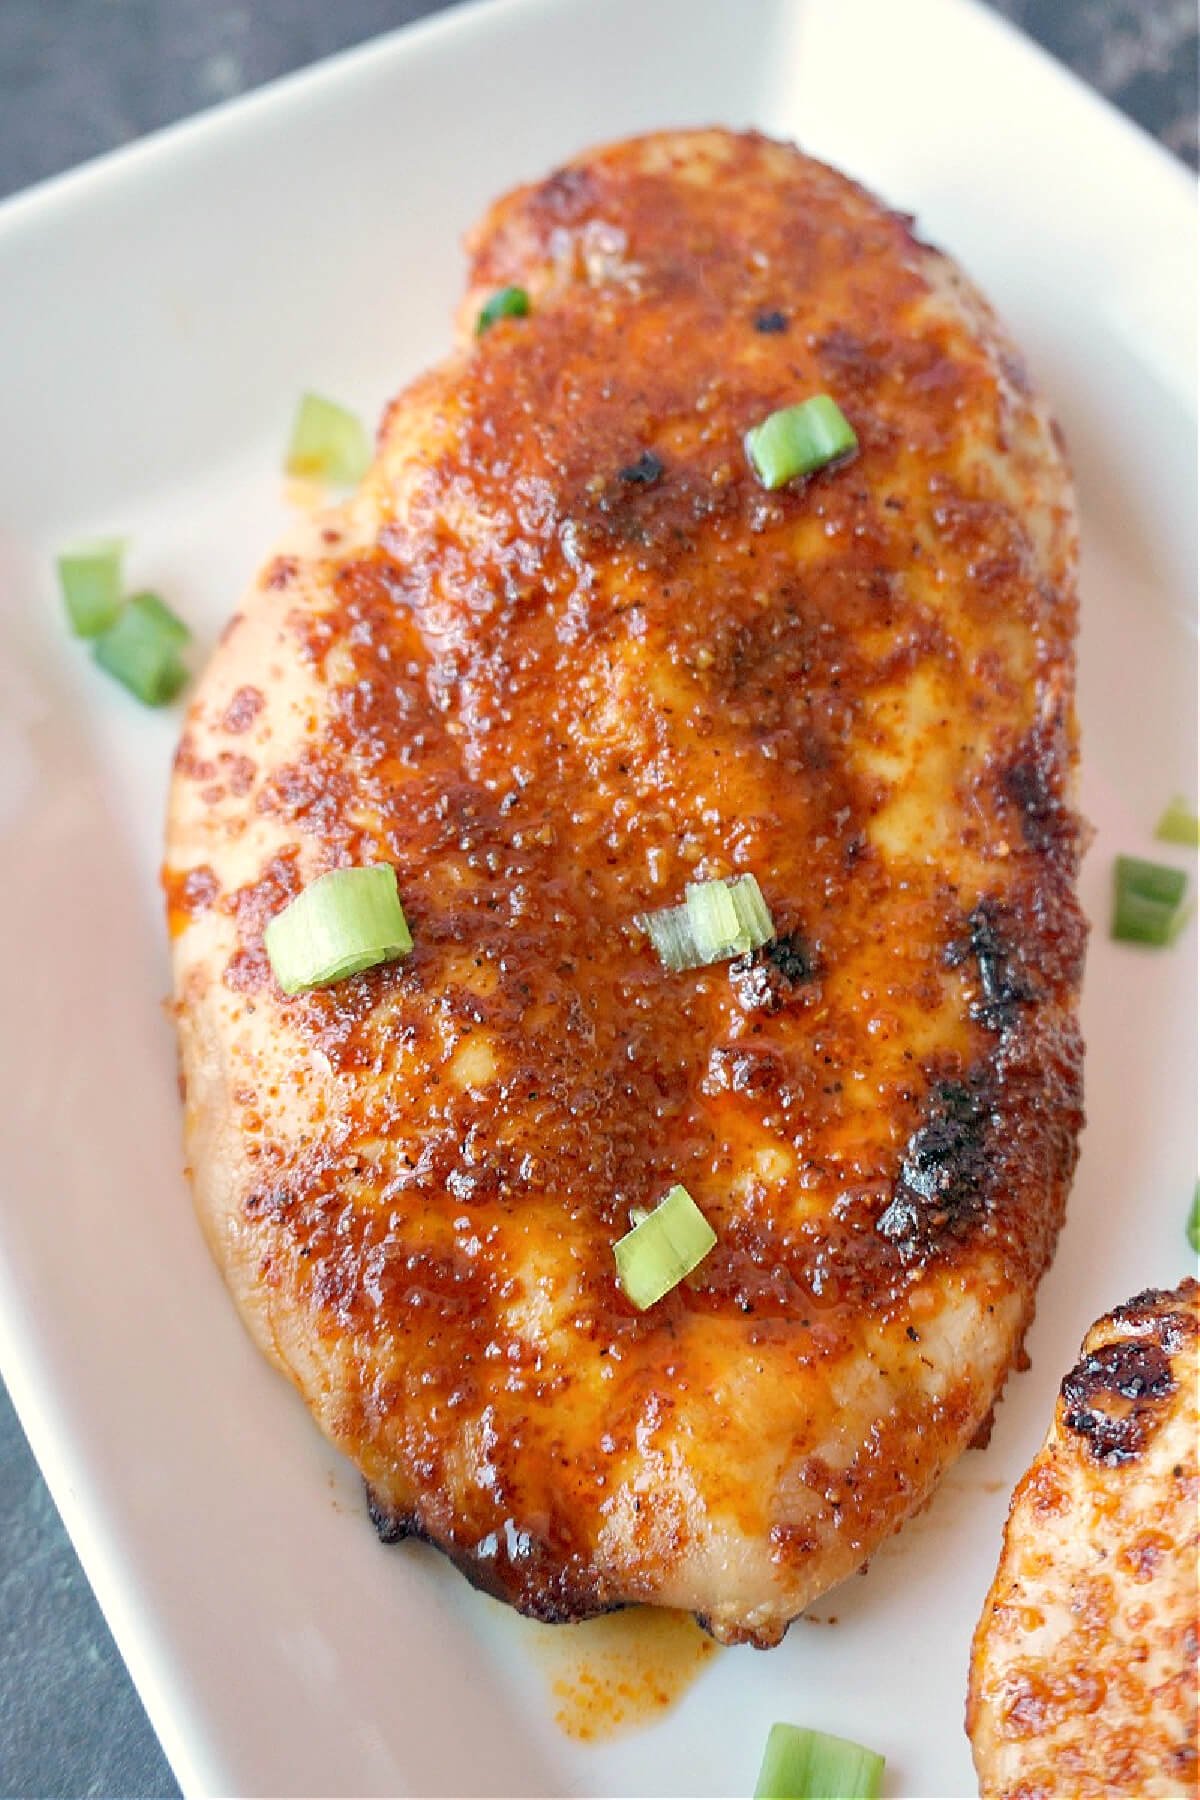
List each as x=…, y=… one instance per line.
x=718, y=919
x=328, y=443
x=728, y=917
x=670, y=931
x=1179, y=824
x=141, y=650
x=1148, y=902
x=663, y=1247
x=810, y=1765
x=156, y=611
x=340, y=924
x=754, y=916
x=798, y=440
x=90, y=576
x=713, y=918
x=1193, y=1225
x=505, y=303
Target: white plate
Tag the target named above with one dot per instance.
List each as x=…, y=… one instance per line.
x=160, y=311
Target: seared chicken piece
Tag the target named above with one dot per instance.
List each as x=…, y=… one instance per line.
x=561, y=655
x=1083, y=1673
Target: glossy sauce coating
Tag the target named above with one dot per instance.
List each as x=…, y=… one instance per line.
x=562, y=655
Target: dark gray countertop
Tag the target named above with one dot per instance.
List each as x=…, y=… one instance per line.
x=78, y=77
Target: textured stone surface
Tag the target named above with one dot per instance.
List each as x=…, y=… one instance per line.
x=81, y=76
x=70, y=1722
x=1140, y=53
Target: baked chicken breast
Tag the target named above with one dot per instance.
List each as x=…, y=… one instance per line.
x=562, y=654
x=1083, y=1671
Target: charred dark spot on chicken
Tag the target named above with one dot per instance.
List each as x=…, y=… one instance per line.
x=765, y=979
x=1173, y=1328
x=1112, y=1398
x=1033, y=784
x=944, y=1174
x=510, y=1564
x=644, y=472
x=1004, y=984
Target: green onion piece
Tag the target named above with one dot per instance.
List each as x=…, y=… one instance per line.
x=662, y=1248
x=340, y=924
x=141, y=650
x=328, y=443
x=719, y=919
x=670, y=931
x=810, y=1765
x=727, y=917
x=505, y=303
x=798, y=440
x=1179, y=824
x=713, y=917
x=754, y=915
x=155, y=610
x=1193, y=1224
x=90, y=576
x=1148, y=902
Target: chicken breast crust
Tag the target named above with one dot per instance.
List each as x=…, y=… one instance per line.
x=562, y=654
x=1083, y=1670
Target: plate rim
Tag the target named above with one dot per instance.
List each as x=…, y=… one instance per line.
x=181, y=136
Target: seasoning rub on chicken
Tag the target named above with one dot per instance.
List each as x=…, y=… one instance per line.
x=565, y=653
x=1083, y=1672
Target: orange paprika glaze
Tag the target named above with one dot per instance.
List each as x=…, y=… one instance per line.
x=562, y=655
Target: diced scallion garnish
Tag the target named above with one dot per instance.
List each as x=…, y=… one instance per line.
x=728, y=917
x=713, y=918
x=138, y=641
x=664, y=1246
x=90, y=575
x=328, y=443
x=1179, y=824
x=158, y=614
x=1147, y=901
x=1193, y=1225
x=670, y=931
x=718, y=919
x=810, y=1765
x=340, y=924
x=798, y=440
x=505, y=303
x=141, y=649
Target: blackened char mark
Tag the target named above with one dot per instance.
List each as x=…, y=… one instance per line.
x=942, y=1180
x=392, y=1527
x=1114, y=1397
x=1033, y=784
x=644, y=472
x=510, y=1565
x=763, y=979
x=1154, y=1309
x=1003, y=983
x=643, y=506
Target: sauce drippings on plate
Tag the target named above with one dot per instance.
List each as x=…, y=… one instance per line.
x=621, y=1672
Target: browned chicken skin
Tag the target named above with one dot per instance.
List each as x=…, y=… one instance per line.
x=560, y=656
x=1083, y=1672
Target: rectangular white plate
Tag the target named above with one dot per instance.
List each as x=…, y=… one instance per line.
x=160, y=312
